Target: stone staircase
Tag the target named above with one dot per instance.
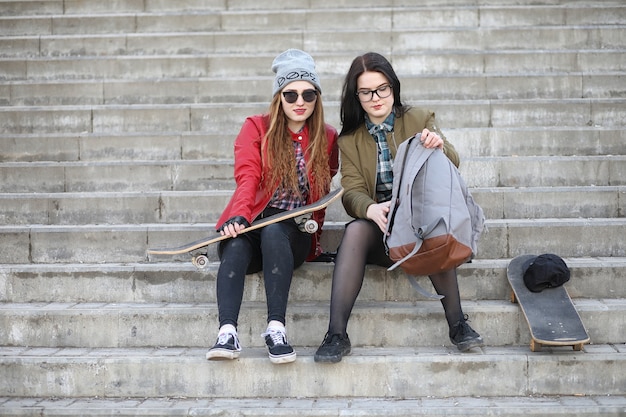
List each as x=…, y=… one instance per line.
x=116, y=127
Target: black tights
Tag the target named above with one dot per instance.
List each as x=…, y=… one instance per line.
x=277, y=249
x=362, y=244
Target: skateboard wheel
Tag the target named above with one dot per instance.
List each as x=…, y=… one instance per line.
x=310, y=226
x=200, y=261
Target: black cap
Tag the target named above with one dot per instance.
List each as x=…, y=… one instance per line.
x=545, y=271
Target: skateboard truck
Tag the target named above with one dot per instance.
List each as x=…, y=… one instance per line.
x=306, y=223
x=200, y=261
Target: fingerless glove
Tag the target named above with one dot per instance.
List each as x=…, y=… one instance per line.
x=236, y=219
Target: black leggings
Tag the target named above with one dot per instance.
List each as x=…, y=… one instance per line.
x=362, y=244
x=276, y=249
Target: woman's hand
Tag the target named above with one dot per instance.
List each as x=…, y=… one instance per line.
x=378, y=214
x=431, y=139
x=233, y=226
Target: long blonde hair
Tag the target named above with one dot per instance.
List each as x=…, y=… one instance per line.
x=279, y=161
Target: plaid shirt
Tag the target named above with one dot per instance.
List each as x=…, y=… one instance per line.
x=384, y=168
x=286, y=199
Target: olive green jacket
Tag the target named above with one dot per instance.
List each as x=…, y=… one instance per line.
x=359, y=157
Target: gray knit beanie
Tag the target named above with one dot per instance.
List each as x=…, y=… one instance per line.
x=294, y=65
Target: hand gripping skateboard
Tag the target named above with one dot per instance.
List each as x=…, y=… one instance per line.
x=551, y=315
x=301, y=215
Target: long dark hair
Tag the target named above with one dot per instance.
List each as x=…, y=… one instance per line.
x=352, y=114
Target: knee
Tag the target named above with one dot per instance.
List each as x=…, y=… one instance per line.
x=234, y=250
x=449, y=275
x=231, y=246
x=357, y=230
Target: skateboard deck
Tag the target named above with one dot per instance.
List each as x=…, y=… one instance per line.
x=550, y=314
x=302, y=216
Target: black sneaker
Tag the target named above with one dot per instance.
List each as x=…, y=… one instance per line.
x=280, y=351
x=226, y=347
x=463, y=336
x=333, y=348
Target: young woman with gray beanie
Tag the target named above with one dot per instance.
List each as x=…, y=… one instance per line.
x=283, y=159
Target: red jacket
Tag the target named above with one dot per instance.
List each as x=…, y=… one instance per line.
x=252, y=194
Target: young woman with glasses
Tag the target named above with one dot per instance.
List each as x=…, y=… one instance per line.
x=374, y=123
x=283, y=160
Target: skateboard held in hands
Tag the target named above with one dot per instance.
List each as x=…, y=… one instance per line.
x=301, y=215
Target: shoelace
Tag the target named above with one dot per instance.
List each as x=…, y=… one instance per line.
x=464, y=328
x=278, y=337
x=332, y=339
x=222, y=339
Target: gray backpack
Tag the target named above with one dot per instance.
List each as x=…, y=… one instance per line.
x=433, y=223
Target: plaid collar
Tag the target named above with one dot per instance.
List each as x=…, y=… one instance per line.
x=384, y=167
x=386, y=125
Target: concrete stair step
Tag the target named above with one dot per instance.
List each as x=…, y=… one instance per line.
x=182, y=283
x=121, y=176
x=314, y=41
x=513, y=406
x=387, y=18
x=123, y=325
x=114, y=207
x=127, y=146
x=546, y=202
x=369, y=372
x=534, y=141
x=469, y=142
x=199, y=175
x=128, y=243
x=104, y=23
x=544, y=171
x=328, y=64
x=55, y=7
x=135, y=207
x=227, y=117
x=234, y=90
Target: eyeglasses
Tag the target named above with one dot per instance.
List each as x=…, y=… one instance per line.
x=383, y=91
x=307, y=95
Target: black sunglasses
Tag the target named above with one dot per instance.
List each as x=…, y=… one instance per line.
x=307, y=95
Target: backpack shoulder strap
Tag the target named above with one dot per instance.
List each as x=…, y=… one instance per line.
x=402, y=173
